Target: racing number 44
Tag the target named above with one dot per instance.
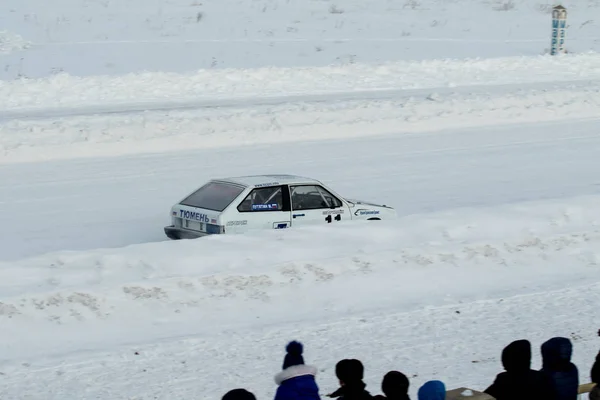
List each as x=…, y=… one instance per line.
x=328, y=218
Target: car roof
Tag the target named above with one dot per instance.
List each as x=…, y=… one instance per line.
x=268, y=180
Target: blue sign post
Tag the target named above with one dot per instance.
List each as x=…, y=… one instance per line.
x=559, y=29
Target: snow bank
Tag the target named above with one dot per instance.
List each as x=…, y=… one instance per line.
x=10, y=42
x=161, y=131
x=394, y=294
x=534, y=244
x=71, y=91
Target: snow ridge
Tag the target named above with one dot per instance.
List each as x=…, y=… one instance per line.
x=556, y=238
x=71, y=91
x=397, y=113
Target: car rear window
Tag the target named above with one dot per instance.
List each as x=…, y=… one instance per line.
x=215, y=196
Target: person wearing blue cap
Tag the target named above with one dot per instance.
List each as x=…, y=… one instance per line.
x=432, y=390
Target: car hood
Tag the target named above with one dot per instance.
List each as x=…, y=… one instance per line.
x=366, y=203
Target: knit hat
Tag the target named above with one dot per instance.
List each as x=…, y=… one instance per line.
x=294, y=355
x=238, y=394
x=432, y=390
x=395, y=384
x=349, y=371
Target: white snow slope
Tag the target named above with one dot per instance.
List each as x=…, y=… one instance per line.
x=92, y=37
x=123, y=107
x=435, y=295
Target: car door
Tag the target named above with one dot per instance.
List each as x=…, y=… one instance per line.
x=263, y=208
x=314, y=205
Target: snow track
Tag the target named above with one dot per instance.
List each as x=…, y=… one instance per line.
x=292, y=119
x=113, y=202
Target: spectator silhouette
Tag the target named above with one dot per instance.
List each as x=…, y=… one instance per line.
x=394, y=386
x=432, y=390
x=595, y=393
x=557, y=365
x=519, y=382
x=350, y=373
x=296, y=381
x=238, y=394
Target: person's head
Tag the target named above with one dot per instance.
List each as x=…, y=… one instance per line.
x=432, y=390
x=556, y=353
x=349, y=371
x=516, y=357
x=238, y=394
x=394, y=385
x=294, y=355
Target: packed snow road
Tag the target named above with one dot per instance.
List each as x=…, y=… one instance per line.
x=112, y=202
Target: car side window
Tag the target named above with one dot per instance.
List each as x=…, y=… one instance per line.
x=312, y=197
x=263, y=199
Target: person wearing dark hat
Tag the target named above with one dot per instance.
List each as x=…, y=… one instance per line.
x=238, y=394
x=297, y=380
x=557, y=366
x=350, y=374
x=595, y=373
x=519, y=381
x=395, y=386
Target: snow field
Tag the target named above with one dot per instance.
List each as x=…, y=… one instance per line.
x=206, y=128
x=87, y=37
x=426, y=105
x=403, y=290
x=423, y=343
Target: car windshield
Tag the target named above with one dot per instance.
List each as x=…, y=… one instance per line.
x=215, y=196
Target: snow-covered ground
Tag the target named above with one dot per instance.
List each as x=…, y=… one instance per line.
x=447, y=110
x=435, y=295
x=109, y=37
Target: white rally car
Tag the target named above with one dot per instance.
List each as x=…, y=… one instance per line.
x=237, y=205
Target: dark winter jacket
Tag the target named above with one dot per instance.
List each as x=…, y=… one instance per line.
x=354, y=391
x=557, y=365
x=519, y=382
x=595, y=393
x=432, y=390
x=297, y=383
x=596, y=370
